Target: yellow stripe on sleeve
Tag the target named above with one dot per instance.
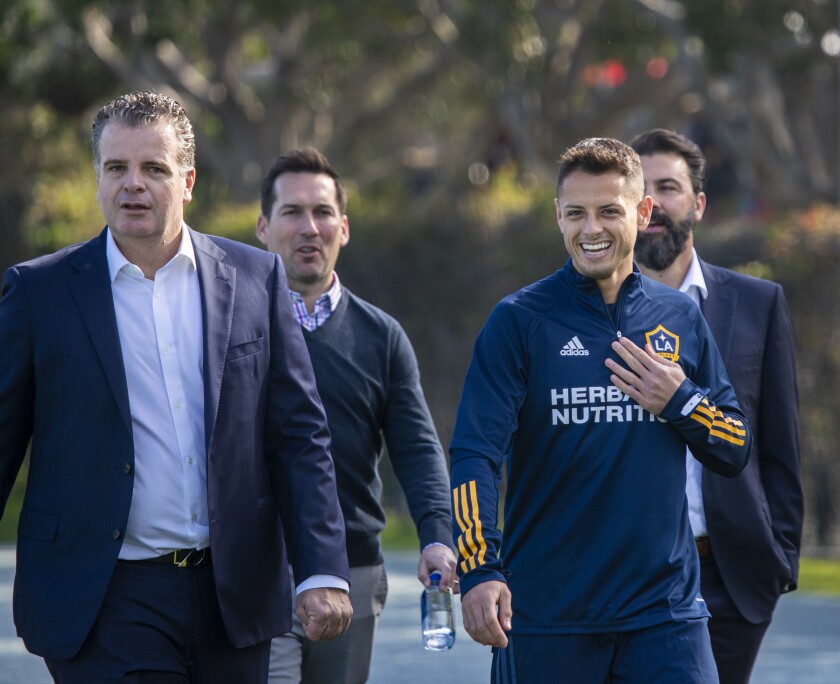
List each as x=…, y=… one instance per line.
x=729, y=428
x=479, y=536
x=456, y=507
x=471, y=543
x=700, y=419
x=719, y=425
x=727, y=438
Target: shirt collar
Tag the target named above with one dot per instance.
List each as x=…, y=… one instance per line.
x=330, y=298
x=334, y=293
x=117, y=261
x=694, y=277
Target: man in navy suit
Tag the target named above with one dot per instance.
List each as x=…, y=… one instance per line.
x=176, y=436
x=748, y=528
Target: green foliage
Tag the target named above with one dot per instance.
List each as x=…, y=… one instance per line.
x=47, y=186
x=733, y=29
x=507, y=197
x=230, y=219
x=405, y=97
x=795, y=249
x=617, y=16
x=42, y=55
x=64, y=209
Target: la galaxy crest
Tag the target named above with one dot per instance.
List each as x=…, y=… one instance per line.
x=665, y=343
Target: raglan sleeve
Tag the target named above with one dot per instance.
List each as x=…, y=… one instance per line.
x=485, y=428
x=413, y=445
x=706, y=412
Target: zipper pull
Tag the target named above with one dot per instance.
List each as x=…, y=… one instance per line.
x=618, y=332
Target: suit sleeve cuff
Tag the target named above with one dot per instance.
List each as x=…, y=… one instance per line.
x=323, y=582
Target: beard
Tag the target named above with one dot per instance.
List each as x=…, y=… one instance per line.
x=657, y=251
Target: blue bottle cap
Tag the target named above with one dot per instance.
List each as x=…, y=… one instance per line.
x=435, y=577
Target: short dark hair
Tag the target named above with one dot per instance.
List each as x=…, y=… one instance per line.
x=145, y=108
x=301, y=160
x=597, y=156
x=663, y=141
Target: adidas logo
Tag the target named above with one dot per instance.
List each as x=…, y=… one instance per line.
x=574, y=348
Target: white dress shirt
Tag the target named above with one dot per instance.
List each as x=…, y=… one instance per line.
x=160, y=329
x=161, y=337
x=694, y=285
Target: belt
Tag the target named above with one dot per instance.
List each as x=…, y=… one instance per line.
x=182, y=558
x=704, y=548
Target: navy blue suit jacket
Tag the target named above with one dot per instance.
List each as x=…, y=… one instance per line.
x=755, y=519
x=62, y=384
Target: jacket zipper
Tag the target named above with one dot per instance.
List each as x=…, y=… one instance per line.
x=619, y=303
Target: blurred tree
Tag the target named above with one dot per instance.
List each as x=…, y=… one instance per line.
x=446, y=116
x=421, y=90
x=773, y=84
x=795, y=249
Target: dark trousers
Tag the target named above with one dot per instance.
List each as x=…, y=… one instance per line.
x=676, y=652
x=735, y=641
x=160, y=624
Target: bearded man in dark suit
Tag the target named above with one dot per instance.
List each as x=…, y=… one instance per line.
x=748, y=528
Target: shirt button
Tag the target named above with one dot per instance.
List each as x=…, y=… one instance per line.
x=117, y=534
x=194, y=517
x=189, y=460
x=127, y=469
x=179, y=404
x=166, y=347
x=157, y=295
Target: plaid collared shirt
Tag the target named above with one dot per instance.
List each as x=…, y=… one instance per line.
x=324, y=306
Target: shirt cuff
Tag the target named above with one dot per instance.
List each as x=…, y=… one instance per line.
x=323, y=582
x=433, y=544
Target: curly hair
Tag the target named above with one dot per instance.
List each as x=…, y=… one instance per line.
x=145, y=108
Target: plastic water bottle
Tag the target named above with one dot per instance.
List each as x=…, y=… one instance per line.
x=438, y=623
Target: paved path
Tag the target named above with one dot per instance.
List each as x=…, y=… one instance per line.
x=801, y=647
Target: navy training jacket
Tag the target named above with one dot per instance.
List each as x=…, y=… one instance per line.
x=596, y=532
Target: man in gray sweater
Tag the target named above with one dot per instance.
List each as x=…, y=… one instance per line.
x=367, y=376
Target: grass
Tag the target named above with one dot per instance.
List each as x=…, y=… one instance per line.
x=820, y=575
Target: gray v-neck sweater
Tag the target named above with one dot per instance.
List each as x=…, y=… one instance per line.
x=369, y=383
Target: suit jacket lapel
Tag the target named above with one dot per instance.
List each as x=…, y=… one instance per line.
x=90, y=286
x=218, y=284
x=719, y=308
